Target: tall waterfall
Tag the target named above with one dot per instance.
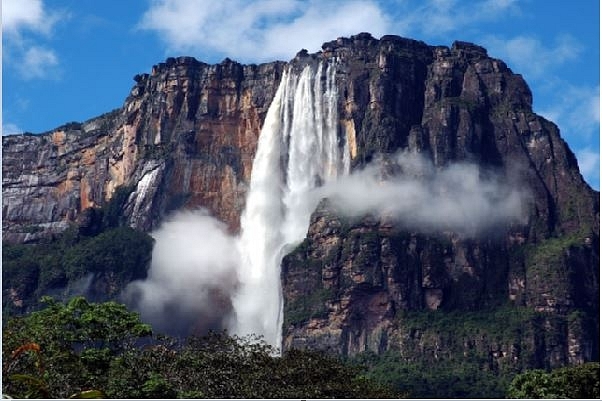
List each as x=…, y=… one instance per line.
x=298, y=150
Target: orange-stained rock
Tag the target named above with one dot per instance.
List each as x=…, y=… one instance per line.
x=199, y=122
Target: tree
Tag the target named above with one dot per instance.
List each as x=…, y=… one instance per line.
x=94, y=349
x=75, y=342
x=222, y=366
x=111, y=259
x=581, y=381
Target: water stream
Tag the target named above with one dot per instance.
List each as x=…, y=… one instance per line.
x=299, y=149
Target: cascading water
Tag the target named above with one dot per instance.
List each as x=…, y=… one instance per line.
x=298, y=150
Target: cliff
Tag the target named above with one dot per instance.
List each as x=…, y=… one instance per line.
x=186, y=137
x=356, y=285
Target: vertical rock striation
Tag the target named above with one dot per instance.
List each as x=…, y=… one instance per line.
x=348, y=286
x=185, y=137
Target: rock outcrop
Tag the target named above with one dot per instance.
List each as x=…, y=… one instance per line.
x=186, y=137
x=356, y=286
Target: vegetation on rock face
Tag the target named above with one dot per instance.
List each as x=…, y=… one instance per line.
x=101, y=250
x=582, y=381
x=62, y=267
x=88, y=349
x=477, y=340
x=307, y=307
x=460, y=354
x=442, y=379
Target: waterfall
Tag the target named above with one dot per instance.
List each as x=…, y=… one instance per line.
x=298, y=150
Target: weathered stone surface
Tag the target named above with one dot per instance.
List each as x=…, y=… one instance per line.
x=48, y=179
x=185, y=137
x=197, y=125
x=451, y=104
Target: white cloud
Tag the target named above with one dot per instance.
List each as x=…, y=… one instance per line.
x=38, y=62
x=529, y=56
x=321, y=23
x=263, y=30
x=260, y=30
x=27, y=15
x=192, y=276
x=434, y=16
x=457, y=197
x=22, y=14
x=26, y=25
x=589, y=165
x=10, y=129
x=575, y=109
x=439, y=18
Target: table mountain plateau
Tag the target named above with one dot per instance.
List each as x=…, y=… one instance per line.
x=516, y=294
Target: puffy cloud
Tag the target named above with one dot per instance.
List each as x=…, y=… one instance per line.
x=196, y=274
x=25, y=23
x=260, y=30
x=18, y=15
x=38, y=62
x=530, y=56
x=440, y=18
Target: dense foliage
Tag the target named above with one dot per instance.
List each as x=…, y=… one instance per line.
x=66, y=348
x=452, y=354
x=447, y=378
x=64, y=267
x=468, y=379
x=102, y=349
x=582, y=381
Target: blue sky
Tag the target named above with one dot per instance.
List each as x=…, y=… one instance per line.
x=71, y=60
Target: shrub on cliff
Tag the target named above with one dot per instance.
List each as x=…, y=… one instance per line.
x=581, y=381
x=60, y=268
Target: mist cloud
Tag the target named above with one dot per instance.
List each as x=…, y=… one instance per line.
x=196, y=264
x=410, y=190
x=192, y=276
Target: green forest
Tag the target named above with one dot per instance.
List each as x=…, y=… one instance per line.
x=81, y=349
x=97, y=350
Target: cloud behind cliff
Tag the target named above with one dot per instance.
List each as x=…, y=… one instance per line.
x=252, y=31
x=78, y=40
x=263, y=30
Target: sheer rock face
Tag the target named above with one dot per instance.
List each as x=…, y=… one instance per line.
x=186, y=137
x=48, y=179
x=347, y=287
